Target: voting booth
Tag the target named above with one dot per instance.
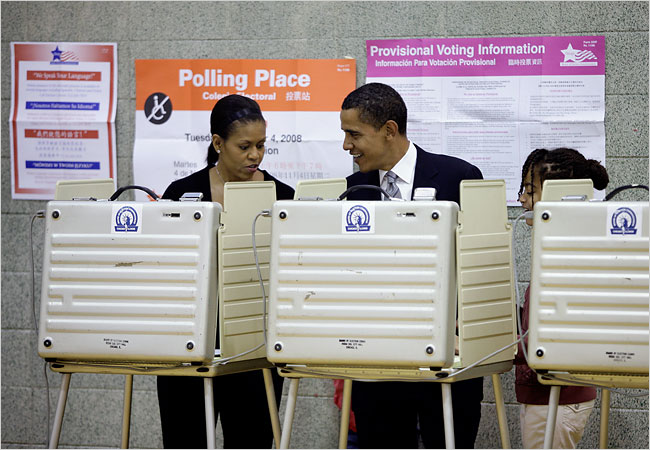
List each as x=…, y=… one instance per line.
x=363, y=283
x=124, y=281
x=368, y=290
x=588, y=293
x=146, y=288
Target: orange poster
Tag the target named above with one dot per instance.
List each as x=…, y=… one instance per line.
x=300, y=100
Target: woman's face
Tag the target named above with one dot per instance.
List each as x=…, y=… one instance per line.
x=532, y=194
x=241, y=154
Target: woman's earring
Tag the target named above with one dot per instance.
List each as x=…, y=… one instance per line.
x=218, y=150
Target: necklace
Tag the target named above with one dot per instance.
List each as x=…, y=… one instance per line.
x=216, y=167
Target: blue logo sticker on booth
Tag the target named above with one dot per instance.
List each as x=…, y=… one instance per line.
x=358, y=219
x=126, y=220
x=623, y=222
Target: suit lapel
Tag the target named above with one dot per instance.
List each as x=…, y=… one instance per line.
x=425, y=170
x=373, y=179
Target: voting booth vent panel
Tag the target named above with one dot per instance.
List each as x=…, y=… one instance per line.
x=486, y=316
x=362, y=283
x=125, y=281
x=241, y=306
x=589, y=287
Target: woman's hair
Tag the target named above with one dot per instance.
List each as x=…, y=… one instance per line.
x=563, y=163
x=228, y=113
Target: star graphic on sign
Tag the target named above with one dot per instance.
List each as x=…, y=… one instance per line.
x=569, y=53
x=56, y=54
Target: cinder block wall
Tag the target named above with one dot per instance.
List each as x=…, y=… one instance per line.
x=281, y=30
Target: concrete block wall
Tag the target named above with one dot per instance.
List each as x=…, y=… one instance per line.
x=308, y=29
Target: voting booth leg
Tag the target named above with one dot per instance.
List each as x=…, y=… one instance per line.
x=288, y=414
x=60, y=409
x=345, y=413
x=501, y=411
x=210, y=423
x=273, y=407
x=448, y=415
x=126, y=413
x=553, y=401
x=605, y=395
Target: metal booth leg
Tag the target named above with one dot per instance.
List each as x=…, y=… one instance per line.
x=605, y=395
x=60, y=409
x=126, y=413
x=553, y=401
x=273, y=407
x=345, y=413
x=210, y=423
x=288, y=414
x=448, y=414
x=501, y=411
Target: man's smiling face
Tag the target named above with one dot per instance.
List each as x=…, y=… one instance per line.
x=366, y=144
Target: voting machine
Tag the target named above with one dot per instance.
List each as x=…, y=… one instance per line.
x=138, y=281
x=124, y=281
x=146, y=288
x=588, y=321
x=357, y=285
x=376, y=290
x=589, y=291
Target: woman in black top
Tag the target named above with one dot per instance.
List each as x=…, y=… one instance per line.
x=238, y=135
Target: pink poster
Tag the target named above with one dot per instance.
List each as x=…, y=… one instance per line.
x=491, y=101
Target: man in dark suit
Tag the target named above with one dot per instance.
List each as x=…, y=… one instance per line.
x=389, y=414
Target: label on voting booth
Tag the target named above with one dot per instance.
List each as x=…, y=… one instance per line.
x=127, y=218
x=358, y=218
x=624, y=221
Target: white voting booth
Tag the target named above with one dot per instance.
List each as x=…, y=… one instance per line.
x=144, y=287
x=369, y=290
x=589, y=293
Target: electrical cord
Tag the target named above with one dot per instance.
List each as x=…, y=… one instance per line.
x=265, y=213
x=448, y=375
x=364, y=186
x=624, y=188
x=520, y=303
x=142, y=369
x=485, y=358
x=41, y=215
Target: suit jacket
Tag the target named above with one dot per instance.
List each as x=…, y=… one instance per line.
x=399, y=406
x=200, y=182
x=442, y=172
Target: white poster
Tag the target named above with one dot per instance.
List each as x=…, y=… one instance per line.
x=63, y=104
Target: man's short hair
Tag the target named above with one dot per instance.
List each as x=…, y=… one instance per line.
x=377, y=103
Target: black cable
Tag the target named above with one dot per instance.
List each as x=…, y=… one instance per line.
x=117, y=193
x=362, y=186
x=624, y=188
